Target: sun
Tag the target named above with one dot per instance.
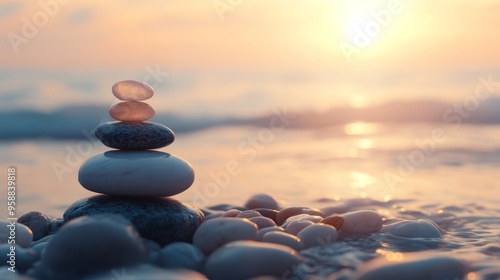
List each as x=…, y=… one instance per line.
x=366, y=19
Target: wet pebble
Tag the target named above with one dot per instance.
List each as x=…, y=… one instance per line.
x=247, y=259
x=216, y=232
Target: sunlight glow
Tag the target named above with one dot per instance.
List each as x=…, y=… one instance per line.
x=358, y=101
x=360, y=180
x=360, y=128
x=365, y=143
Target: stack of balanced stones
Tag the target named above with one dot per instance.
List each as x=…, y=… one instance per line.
x=136, y=180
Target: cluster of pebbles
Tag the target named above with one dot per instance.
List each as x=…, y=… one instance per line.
x=134, y=230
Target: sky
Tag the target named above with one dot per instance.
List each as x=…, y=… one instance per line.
x=222, y=57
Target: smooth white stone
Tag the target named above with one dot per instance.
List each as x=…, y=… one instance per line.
x=181, y=255
x=247, y=259
x=131, y=90
x=412, y=229
x=214, y=233
x=411, y=266
x=136, y=173
x=317, y=235
x=283, y=238
x=262, y=201
x=363, y=221
x=23, y=234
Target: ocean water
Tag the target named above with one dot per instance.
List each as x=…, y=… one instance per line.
x=439, y=172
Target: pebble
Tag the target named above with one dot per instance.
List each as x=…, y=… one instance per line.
x=233, y=213
x=146, y=272
x=269, y=213
x=23, y=234
x=181, y=255
x=163, y=220
x=295, y=227
x=286, y=213
x=246, y=259
x=335, y=221
x=412, y=266
x=9, y=275
x=412, y=229
x=263, y=222
x=302, y=217
x=216, y=232
x=130, y=90
x=248, y=214
x=23, y=258
x=283, y=238
x=262, y=201
x=317, y=235
x=364, y=221
x=136, y=173
x=89, y=244
x=134, y=135
x=263, y=231
x=38, y=223
x=131, y=111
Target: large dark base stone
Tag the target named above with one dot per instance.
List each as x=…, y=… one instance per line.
x=163, y=220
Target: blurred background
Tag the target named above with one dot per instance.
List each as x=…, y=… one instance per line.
x=312, y=99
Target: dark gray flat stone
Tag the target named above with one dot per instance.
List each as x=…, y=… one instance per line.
x=163, y=220
x=134, y=135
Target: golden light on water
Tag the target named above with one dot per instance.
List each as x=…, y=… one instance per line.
x=391, y=256
x=360, y=128
x=360, y=180
x=365, y=143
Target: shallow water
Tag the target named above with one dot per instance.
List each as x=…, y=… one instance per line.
x=454, y=184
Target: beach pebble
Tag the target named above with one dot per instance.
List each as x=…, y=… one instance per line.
x=295, y=227
x=55, y=225
x=134, y=135
x=146, y=272
x=263, y=222
x=216, y=232
x=37, y=222
x=9, y=275
x=131, y=111
x=283, y=238
x=181, y=255
x=411, y=266
x=317, y=235
x=10, y=230
x=248, y=214
x=412, y=229
x=136, y=174
x=94, y=243
x=262, y=201
x=363, y=221
x=269, y=213
x=163, y=220
x=286, y=213
x=246, y=259
x=335, y=221
x=233, y=213
x=130, y=90
x=226, y=207
x=39, y=247
x=263, y=231
x=21, y=258
x=302, y=217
